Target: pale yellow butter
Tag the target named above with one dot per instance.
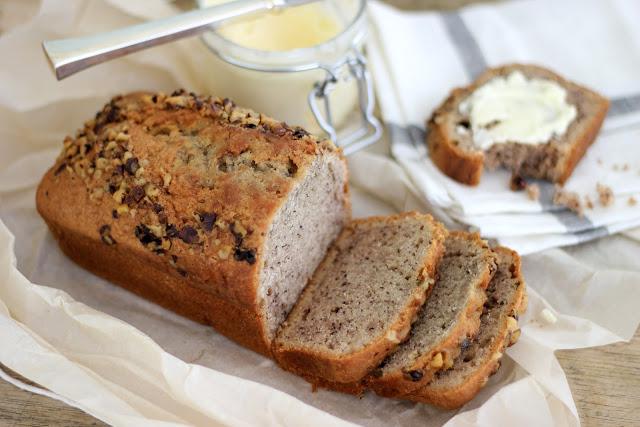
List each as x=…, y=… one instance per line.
x=293, y=28
x=517, y=109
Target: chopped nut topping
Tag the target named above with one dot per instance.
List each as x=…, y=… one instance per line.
x=105, y=235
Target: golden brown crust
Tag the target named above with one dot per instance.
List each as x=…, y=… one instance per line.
x=183, y=185
x=397, y=383
x=354, y=366
x=462, y=165
x=466, y=166
x=455, y=397
x=583, y=142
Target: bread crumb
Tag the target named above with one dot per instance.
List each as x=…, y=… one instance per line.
x=587, y=202
x=533, y=191
x=569, y=199
x=605, y=195
x=548, y=316
x=632, y=201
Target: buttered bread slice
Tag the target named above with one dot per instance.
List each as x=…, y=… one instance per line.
x=364, y=296
x=521, y=117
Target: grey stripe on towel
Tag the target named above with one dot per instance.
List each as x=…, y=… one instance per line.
x=467, y=46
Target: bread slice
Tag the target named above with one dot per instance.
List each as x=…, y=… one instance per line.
x=450, y=317
x=481, y=357
x=361, y=301
x=211, y=210
x=451, y=146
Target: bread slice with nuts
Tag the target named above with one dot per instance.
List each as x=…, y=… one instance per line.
x=450, y=316
x=455, y=139
x=214, y=211
x=361, y=301
x=480, y=358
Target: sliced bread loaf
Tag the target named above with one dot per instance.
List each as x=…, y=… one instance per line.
x=452, y=136
x=364, y=296
x=449, y=318
x=211, y=210
x=480, y=358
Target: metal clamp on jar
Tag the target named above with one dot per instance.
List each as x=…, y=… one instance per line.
x=323, y=85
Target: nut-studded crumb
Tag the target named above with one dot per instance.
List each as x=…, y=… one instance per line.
x=605, y=195
x=533, y=191
x=632, y=201
x=517, y=183
x=569, y=199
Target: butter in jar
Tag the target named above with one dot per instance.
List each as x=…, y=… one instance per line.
x=273, y=62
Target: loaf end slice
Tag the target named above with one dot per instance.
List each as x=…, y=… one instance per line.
x=449, y=319
x=211, y=210
x=362, y=299
x=479, y=359
x=450, y=138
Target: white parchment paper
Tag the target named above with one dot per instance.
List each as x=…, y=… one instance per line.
x=131, y=363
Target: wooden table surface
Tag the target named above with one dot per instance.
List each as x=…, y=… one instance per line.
x=605, y=381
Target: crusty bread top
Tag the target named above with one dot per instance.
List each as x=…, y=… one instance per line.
x=190, y=179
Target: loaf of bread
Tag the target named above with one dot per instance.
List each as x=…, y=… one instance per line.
x=480, y=357
x=363, y=298
x=241, y=222
x=451, y=133
x=213, y=211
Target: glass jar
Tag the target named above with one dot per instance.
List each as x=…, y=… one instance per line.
x=323, y=88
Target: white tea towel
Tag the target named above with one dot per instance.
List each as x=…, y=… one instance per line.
x=450, y=49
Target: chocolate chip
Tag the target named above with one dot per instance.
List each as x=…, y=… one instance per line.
x=292, y=168
x=62, y=167
x=113, y=115
x=172, y=231
x=105, y=235
x=247, y=255
x=146, y=236
x=415, y=375
x=154, y=98
x=198, y=103
x=157, y=208
x=182, y=272
x=517, y=183
x=208, y=220
x=114, y=214
x=118, y=170
x=250, y=126
x=377, y=373
x=178, y=92
x=299, y=133
x=132, y=165
x=112, y=188
x=134, y=195
x=188, y=235
x=174, y=258
x=88, y=147
x=464, y=345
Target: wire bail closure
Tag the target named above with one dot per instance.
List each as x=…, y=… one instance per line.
x=369, y=130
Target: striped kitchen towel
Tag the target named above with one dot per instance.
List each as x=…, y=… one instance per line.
x=417, y=58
